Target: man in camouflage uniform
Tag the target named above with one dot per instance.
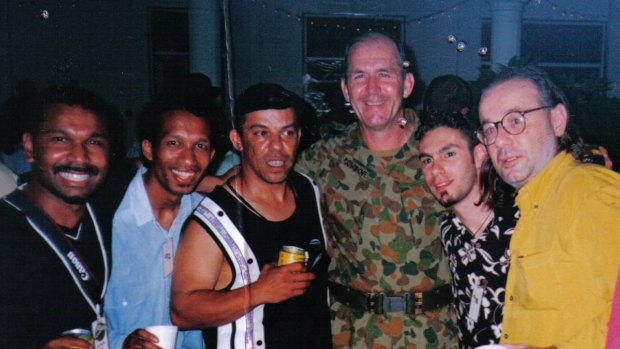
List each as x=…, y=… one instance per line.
x=383, y=223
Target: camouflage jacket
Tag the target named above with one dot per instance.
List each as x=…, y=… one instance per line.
x=382, y=222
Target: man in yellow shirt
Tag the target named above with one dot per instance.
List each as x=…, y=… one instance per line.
x=565, y=248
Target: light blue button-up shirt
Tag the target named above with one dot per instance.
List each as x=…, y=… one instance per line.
x=138, y=293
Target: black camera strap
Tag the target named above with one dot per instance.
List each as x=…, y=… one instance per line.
x=55, y=238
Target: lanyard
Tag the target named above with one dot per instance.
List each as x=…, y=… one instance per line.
x=76, y=266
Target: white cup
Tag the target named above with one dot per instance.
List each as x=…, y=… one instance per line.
x=491, y=346
x=167, y=335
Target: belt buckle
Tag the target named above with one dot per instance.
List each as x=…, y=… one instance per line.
x=396, y=304
x=375, y=303
x=418, y=303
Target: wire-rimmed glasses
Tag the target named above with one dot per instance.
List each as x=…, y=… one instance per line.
x=513, y=123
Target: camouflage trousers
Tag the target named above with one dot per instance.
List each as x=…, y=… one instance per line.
x=354, y=329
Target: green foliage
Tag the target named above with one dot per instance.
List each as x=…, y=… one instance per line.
x=596, y=115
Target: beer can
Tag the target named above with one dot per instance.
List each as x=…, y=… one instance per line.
x=80, y=333
x=292, y=254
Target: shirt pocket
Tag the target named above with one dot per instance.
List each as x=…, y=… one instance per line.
x=535, y=280
x=130, y=305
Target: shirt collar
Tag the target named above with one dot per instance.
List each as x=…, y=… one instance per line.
x=141, y=206
x=353, y=139
x=536, y=190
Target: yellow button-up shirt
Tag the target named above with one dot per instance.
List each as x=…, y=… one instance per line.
x=565, y=257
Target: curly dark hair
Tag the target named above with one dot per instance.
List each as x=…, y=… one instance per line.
x=151, y=120
x=447, y=93
x=71, y=96
x=494, y=191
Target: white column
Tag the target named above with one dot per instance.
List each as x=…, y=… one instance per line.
x=505, y=30
x=204, y=39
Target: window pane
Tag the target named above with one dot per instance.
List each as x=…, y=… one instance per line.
x=169, y=30
x=325, y=41
x=328, y=36
x=562, y=43
x=325, y=70
x=169, y=49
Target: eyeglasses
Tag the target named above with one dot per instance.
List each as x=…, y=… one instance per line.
x=513, y=123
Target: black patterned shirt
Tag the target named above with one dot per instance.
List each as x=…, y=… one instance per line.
x=480, y=262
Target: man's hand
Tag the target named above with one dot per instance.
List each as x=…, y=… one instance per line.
x=67, y=342
x=141, y=338
x=277, y=284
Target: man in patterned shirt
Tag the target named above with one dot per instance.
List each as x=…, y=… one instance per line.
x=476, y=232
x=389, y=279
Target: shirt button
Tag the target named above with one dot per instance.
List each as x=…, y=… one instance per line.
x=259, y=342
x=250, y=261
x=506, y=336
x=512, y=298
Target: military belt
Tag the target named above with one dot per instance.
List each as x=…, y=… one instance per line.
x=414, y=303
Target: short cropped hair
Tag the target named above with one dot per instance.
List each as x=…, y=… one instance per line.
x=447, y=93
x=70, y=96
x=265, y=96
x=151, y=120
x=369, y=37
x=550, y=94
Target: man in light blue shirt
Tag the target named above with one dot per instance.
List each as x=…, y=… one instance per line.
x=174, y=136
